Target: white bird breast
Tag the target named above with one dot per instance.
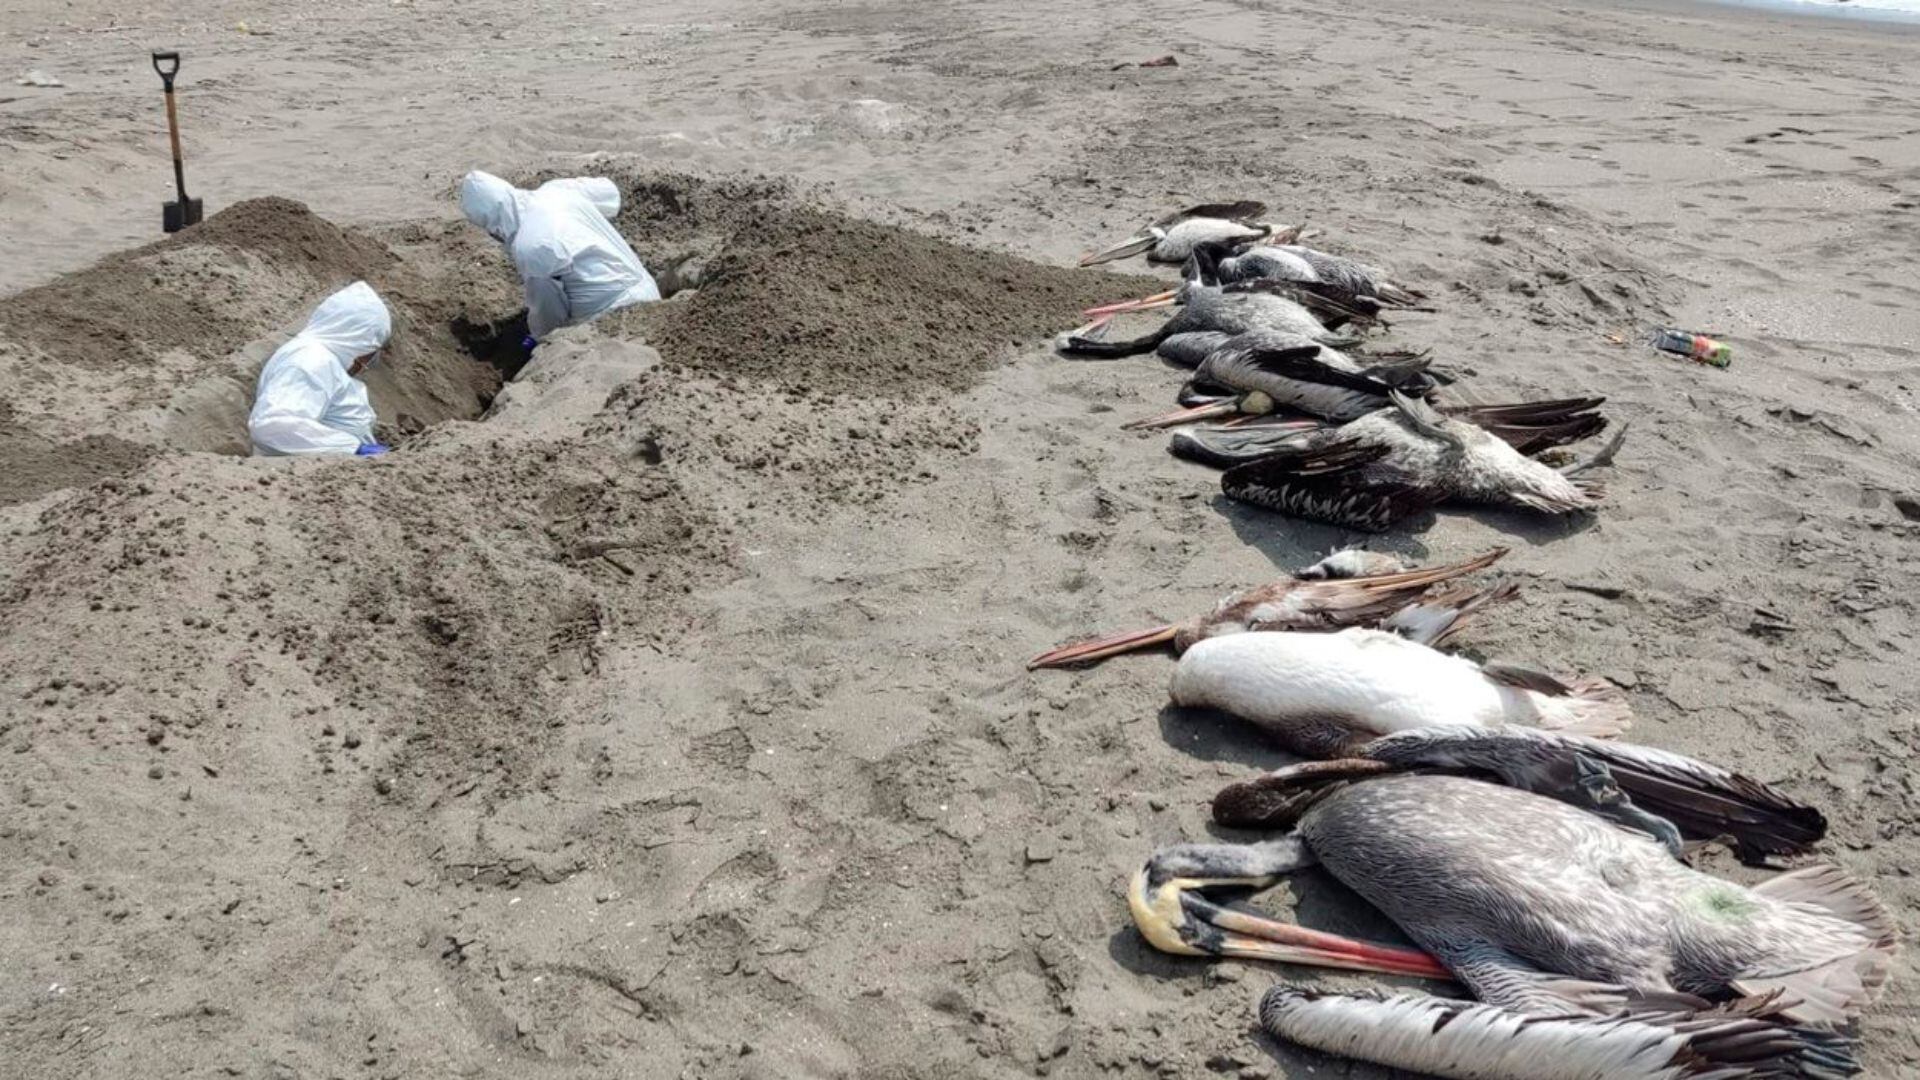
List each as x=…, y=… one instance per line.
x=1379, y=680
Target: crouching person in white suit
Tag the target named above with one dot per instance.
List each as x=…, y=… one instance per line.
x=309, y=401
x=574, y=264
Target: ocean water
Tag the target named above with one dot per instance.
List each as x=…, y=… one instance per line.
x=1890, y=10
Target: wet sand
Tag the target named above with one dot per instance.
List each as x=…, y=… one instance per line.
x=671, y=720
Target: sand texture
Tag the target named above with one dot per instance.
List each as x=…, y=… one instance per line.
x=661, y=712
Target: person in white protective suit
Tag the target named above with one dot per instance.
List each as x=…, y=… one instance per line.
x=309, y=401
x=576, y=267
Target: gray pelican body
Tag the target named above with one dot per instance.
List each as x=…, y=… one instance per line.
x=1400, y=460
x=1171, y=239
x=1224, y=309
x=1593, y=951
x=1348, y=588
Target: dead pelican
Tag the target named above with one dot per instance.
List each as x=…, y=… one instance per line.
x=1329, y=599
x=1404, y=459
x=1593, y=951
x=1326, y=695
x=1171, y=239
x=1295, y=262
x=1230, y=310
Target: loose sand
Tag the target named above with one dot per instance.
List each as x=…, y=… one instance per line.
x=670, y=720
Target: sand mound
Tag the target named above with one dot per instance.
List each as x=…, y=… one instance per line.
x=160, y=346
x=818, y=301
x=200, y=291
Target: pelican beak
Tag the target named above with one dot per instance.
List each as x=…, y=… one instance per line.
x=1100, y=648
x=1145, y=303
x=1159, y=299
x=1134, y=245
x=1175, y=918
x=1191, y=415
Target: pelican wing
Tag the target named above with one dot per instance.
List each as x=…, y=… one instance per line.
x=1433, y=620
x=1344, y=483
x=1304, y=365
x=1408, y=374
x=1703, y=801
x=1442, y=1037
x=1223, y=448
x=1244, y=210
x=1533, y=426
x=1334, y=304
x=1525, y=678
x=1834, y=992
x=1531, y=412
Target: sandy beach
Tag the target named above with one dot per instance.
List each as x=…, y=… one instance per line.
x=660, y=711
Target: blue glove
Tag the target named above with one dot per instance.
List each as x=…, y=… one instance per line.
x=527, y=343
x=371, y=449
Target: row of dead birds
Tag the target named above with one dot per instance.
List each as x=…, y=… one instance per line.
x=1487, y=809
x=1321, y=426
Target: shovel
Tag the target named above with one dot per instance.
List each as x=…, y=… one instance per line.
x=183, y=212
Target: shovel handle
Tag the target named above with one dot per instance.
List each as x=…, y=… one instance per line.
x=172, y=61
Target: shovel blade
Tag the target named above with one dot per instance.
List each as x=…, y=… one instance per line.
x=175, y=216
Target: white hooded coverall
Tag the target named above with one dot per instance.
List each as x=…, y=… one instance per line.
x=306, y=402
x=575, y=265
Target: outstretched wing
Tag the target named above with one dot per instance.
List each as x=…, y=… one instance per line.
x=1533, y=426
x=1703, y=801
x=1343, y=483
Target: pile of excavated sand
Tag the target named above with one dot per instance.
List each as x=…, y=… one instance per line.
x=818, y=302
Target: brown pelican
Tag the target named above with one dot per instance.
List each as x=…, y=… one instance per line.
x=1593, y=951
x=1294, y=262
x=1324, y=695
x=1325, y=596
x=1171, y=239
x=1401, y=460
x=1667, y=796
x=1228, y=309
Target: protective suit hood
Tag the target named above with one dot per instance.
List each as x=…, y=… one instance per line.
x=493, y=204
x=573, y=262
x=351, y=323
x=306, y=402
